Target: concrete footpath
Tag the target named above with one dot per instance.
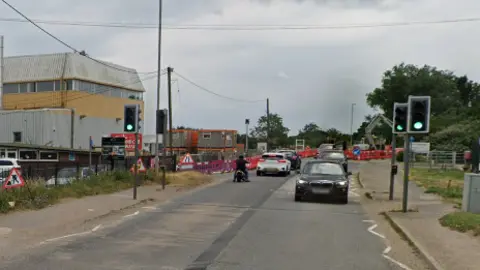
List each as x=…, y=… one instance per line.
x=441, y=247
x=26, y=227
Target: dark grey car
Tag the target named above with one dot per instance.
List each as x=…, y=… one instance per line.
x=322, y=178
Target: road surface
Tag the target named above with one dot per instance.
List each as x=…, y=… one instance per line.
x=253, y=225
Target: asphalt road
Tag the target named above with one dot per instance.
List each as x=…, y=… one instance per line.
x=253, y=225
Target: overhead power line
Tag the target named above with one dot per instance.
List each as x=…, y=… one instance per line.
x=237, y=27
x=26, y=19
x=214, y=93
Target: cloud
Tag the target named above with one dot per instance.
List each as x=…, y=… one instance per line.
x=328, y=68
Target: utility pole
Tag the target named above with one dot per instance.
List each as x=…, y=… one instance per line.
x=351, y=125
x=392, y=172
x=170, y=117
x=159, y=67
x=268, y=124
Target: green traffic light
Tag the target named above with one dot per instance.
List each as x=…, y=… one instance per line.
x=129, y=127
x=418, y=125
x=399, y=127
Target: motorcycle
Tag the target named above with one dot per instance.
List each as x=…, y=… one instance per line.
x=239, y=176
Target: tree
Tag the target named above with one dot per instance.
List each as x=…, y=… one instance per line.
x=278, y=132
x=312, y=134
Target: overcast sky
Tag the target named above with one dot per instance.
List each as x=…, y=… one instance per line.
x=309, y=75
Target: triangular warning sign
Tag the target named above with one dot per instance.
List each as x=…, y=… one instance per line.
x=13, y=180
x=140, y=166
x=187, y=159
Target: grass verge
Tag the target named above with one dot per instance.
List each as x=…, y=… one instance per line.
x=446, y=183
x=462, y=222
x=35, y=195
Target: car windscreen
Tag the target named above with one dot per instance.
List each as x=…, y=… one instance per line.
x=333, y=156
x=6, y=163
x=314, y=168
x=272, y=157
x=326, y=146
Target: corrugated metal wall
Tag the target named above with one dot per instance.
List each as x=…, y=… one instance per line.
x=52, y=127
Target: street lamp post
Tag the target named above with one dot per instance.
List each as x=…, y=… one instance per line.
x=351, y=124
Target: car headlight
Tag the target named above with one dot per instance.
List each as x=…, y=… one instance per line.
x=301, y=182
x=342, y=183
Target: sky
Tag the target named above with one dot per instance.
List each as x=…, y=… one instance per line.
x=309, y=75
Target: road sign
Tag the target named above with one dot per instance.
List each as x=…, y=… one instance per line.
x=420, y=147
x=356, y=151
x=140, y=166
x=113, y=147
x=13, y=180
x=129, y=140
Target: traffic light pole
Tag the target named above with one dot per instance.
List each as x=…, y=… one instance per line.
x=392, y=173
x=406, y=172
x=135, y=169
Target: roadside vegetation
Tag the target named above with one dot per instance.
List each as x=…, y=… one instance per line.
x=449, y=185
x=35, y=195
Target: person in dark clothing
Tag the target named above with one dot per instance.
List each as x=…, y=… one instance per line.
x=241, y=163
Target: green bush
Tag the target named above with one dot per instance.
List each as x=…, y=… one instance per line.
x=35, y=195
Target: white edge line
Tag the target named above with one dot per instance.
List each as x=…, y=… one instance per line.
x=150, y=207
x=368, y=220
x=131, y=215
x=387, y=250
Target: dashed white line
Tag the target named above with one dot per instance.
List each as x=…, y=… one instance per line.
x=131, y=215
x=71, y=235
x=150, y=207
x=371, y=230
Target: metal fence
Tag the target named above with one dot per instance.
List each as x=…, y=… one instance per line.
x=58, y=173
x=438, y=159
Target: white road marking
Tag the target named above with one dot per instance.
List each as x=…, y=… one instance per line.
x=71, y=235
x=131, y=215
x=150, y=207
x=5, y=230
x=91, y=210
x=388, y=248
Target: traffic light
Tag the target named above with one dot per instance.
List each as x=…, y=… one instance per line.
x=131, y=118
x=161, y=122
x=139, y=117
x=418, y=114
x=400, y=117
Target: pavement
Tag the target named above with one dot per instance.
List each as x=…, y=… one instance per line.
x=439, y=247
x=254, y=225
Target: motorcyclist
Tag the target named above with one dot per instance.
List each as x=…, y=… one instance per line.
x=241, y=163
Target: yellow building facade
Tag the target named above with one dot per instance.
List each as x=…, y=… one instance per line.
x=72, y=81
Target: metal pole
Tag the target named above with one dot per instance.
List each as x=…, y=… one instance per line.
x=135, y=169
x=392, y=176
x=159, y=67
x=406, y=171
x=170, y=117
x=268, y=125
x=246, y=138
x=164, y=158
x=351, y=124
x=90, y=152
x=2, y=67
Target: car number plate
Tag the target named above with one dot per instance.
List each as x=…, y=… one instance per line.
x=321, y=190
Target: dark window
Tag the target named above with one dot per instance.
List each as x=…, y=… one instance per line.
x=28, y=154
x=24, y=88
x=10, y=88
x=17, y=136
x=69, y=84
x=58, y=86
x=48, y=155
x=45, y=86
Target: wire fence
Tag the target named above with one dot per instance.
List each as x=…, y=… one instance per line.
x=438, y=160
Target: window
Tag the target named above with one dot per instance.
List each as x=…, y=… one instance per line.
x=28, y=154
x=10, y=88
x=48, y=155
x=58, y=86
x=24, y=87
x=207, y=136
x=17, y=136
x=45, y=86
x=69, y=84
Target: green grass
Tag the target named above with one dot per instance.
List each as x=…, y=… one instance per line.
x=446, y=183
x=462, y=222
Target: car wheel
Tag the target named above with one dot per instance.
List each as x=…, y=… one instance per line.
x=298, y=198
x=259, y=173
x=344, y=199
